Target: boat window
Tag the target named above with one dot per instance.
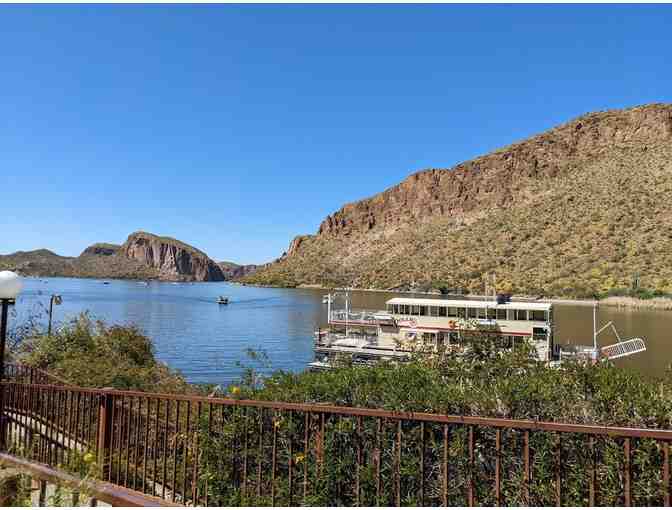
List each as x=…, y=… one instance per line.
x=520, y=315
x=501, y=314
x=462, y=313
x=472, y=313
x=452, y=311
x=390, y=308
x=481, y=313
x=538, y=315
x=442, y=311
x=539, y=334
x=423, y=310
x=415, y=310
x=434, y=311
x=492, y=313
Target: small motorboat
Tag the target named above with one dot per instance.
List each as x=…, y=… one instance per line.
x=223, y=300
x=106, y=283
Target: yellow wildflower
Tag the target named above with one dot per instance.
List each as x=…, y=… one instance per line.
x=235, y=390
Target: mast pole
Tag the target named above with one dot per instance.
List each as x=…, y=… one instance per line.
x=595, y=326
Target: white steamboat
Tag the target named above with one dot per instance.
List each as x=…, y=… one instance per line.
x=412, y=324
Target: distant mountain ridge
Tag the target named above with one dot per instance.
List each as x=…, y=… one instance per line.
x=576, y=210
x=233, y=271
x=142, y=256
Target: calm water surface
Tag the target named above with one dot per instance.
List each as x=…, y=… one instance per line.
x=206, y=341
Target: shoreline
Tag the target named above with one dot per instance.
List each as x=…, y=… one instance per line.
x=625, y=302
x=520, y=298
x=659, y=303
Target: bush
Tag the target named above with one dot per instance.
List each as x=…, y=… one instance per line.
x=639, y=293
x=91, y=353
x=486, y=382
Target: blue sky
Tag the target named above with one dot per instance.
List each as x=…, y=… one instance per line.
x=235, y=128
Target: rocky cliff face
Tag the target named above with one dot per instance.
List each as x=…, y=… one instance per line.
x=234, y=271
x=497, y=179
x=102, y=249
x=576, y=210
x=296, y=244
x=173, y=259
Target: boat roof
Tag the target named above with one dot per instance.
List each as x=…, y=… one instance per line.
x=470, y=303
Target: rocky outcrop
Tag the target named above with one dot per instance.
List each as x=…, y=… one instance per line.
x=296, y=244
x=233, y=271
x=102, y=249
x=497, y=179
x=173, y=259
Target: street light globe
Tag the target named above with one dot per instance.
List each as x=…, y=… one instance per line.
x=10, y=285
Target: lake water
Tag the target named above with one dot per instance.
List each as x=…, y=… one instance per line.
x=206, y=341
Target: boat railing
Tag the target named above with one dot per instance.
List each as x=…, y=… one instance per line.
x=360, y=316
x=575, y=352
x=327, y=339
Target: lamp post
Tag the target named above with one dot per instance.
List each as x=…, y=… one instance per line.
x=10, y=286
x=55, y=300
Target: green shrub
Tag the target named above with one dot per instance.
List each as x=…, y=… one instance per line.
x=90, y=353
x=486, y=382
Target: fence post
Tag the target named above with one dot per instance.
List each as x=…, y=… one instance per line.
x=105, y=433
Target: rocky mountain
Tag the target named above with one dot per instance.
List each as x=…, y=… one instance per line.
x=173, y=259
x=233, y=271
x=577, y=210
x=104, y=249
x=142, y=256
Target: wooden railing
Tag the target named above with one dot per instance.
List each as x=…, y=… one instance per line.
x=210, y=451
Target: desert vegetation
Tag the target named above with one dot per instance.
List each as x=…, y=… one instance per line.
x=488, y=382
x=579, y=211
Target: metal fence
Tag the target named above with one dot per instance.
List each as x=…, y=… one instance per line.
x=209, y=451
x=19, y=372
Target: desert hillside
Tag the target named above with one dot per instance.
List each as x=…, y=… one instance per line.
x=578, y=210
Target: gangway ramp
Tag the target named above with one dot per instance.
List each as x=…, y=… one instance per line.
x=622, y=349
